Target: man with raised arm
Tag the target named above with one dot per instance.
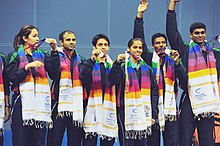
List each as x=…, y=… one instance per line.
x=200, y=99
x=164, y=63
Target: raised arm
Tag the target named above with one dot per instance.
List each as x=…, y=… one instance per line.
x=138, y=23
x=172, y=32
x=139, y=31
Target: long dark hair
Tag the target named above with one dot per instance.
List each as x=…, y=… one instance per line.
x=24, y=31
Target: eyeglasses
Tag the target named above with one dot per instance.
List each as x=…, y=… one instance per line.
x=199, y=32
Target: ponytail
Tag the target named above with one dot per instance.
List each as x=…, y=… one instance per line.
x=16, y=42
x=24, y=32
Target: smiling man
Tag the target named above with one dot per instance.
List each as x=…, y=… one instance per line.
x=165, y=65
x=67, y=103
x=200, y=99
x=100, y=104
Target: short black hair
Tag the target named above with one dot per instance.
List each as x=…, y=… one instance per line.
x=157, y=35
x=131, y=42
x=63, y=33
x=197, y=25
x=100, y=36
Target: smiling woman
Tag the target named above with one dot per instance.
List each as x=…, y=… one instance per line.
x=26, y=70
x=138, y=95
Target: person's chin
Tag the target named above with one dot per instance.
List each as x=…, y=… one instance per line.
x=199, y=42
x=138, y=56
x=69, y=49
x=161, y=54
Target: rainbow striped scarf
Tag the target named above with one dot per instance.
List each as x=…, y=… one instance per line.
x=70, y=89
x=100, y=117
x=167, y=103
x=2, y=95
x=35, y=92
x=138, y=113
x=203, y=81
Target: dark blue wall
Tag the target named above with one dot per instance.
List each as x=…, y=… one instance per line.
x=89, y=17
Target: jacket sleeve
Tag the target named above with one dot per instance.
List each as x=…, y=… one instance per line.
x=116, y=74
x=181, y=75
x=216, y=52
x=52, y=65
x=173, y=35
x=15, y=75
x=139, y=33
x=86, y=73
x=139, y=30
x=5, y=77
x=154, y=96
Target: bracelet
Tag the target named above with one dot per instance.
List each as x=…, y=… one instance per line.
x=7, y=105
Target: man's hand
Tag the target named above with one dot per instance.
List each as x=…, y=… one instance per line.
x=142, y=8
x=173, y=4
x=121, y=57
x=95, y=54
x=218, y=38
x=52, y=42
x=152, y=121
x=175, y=56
